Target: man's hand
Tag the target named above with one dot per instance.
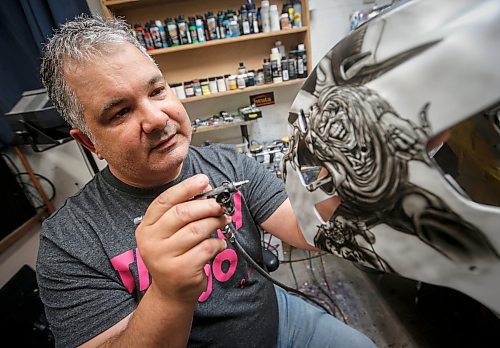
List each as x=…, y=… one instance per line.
x=174, y=240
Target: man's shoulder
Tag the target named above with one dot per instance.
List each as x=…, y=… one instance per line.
x=74, y=207
x=217, y=152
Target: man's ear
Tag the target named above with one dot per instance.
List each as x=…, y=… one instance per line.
x=84, y=140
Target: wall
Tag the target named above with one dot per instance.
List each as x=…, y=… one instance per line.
x=66, y=166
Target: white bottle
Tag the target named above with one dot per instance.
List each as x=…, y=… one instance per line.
x=274, y=18
x=264, y=13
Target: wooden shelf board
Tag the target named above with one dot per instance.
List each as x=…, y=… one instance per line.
x=243, y=90
x=219, y=127
x=11, y=238
x=227, y=41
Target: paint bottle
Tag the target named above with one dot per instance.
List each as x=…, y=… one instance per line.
x=274, y=18
x=232, y=82
x=200, y=29
x=221, y=29
x=212, y=84
x=281, y=48
x=163, y=34
x=292, y=65
x=245, y=23
x=259, y=78
x=240, y=81
x=197, y=88
x=139, y=32
x=276, y=65
x=252, y=18
x=285, y=21
x=212, y=26
x=192, y=30
x=205, y=87
x=266, y=67
x=284, y=69
x=184, y=35
x=172, y=32
x=241, y=68
x=226, y=81
x=155, y=35
x=301, y=61
x=297, y=14
x=234, y=26
x=250, y=81
x=147, y=38
x=179, y=90
x=264, y=14
x=221, y=84
x=189, y=89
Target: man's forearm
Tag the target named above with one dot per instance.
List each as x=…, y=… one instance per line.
x=156, y=322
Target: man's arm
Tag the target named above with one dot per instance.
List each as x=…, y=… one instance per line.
x=283, y=224
x=174, y=241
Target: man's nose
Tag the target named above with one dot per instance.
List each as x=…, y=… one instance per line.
x=153, y=118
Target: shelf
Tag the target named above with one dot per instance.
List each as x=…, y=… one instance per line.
x=243, y=90
x=219, y=127
x=227, y=41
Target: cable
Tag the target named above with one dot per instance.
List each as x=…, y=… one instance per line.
x=232, y=239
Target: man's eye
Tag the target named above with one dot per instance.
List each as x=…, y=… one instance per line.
x=121, y=113
x=158, y=91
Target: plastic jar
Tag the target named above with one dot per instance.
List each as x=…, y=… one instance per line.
x=189, y=89
x=205, y=88
x=232, y=82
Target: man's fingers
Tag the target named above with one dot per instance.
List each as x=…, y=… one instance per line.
x=195, y=233
x=179, y=193
x=205, y=251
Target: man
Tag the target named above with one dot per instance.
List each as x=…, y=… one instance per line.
x=167, y=282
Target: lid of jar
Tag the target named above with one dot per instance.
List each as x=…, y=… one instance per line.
x=211, y=79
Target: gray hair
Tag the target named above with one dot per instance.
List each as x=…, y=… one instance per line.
x=79, y=40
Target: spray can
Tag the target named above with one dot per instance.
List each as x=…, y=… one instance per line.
x=172, y=32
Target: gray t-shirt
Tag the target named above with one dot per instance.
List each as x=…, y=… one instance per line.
x=91, y=276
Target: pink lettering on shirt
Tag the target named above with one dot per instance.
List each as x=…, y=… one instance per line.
x=121, y=263
x=206, y=294
x=231, y=257
x=238, y=216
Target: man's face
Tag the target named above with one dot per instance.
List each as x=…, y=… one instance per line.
x=137, y=124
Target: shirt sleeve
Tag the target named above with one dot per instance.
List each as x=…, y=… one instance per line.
x=80, y=299
x=265, y=192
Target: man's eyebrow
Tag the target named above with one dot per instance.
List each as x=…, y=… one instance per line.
x=110, y=105
x=155, y=79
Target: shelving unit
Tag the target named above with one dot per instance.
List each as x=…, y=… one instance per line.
x=211, y=58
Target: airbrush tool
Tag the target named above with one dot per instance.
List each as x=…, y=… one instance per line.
x=222, y=194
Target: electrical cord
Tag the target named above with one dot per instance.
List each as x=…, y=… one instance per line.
x=231, y=237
